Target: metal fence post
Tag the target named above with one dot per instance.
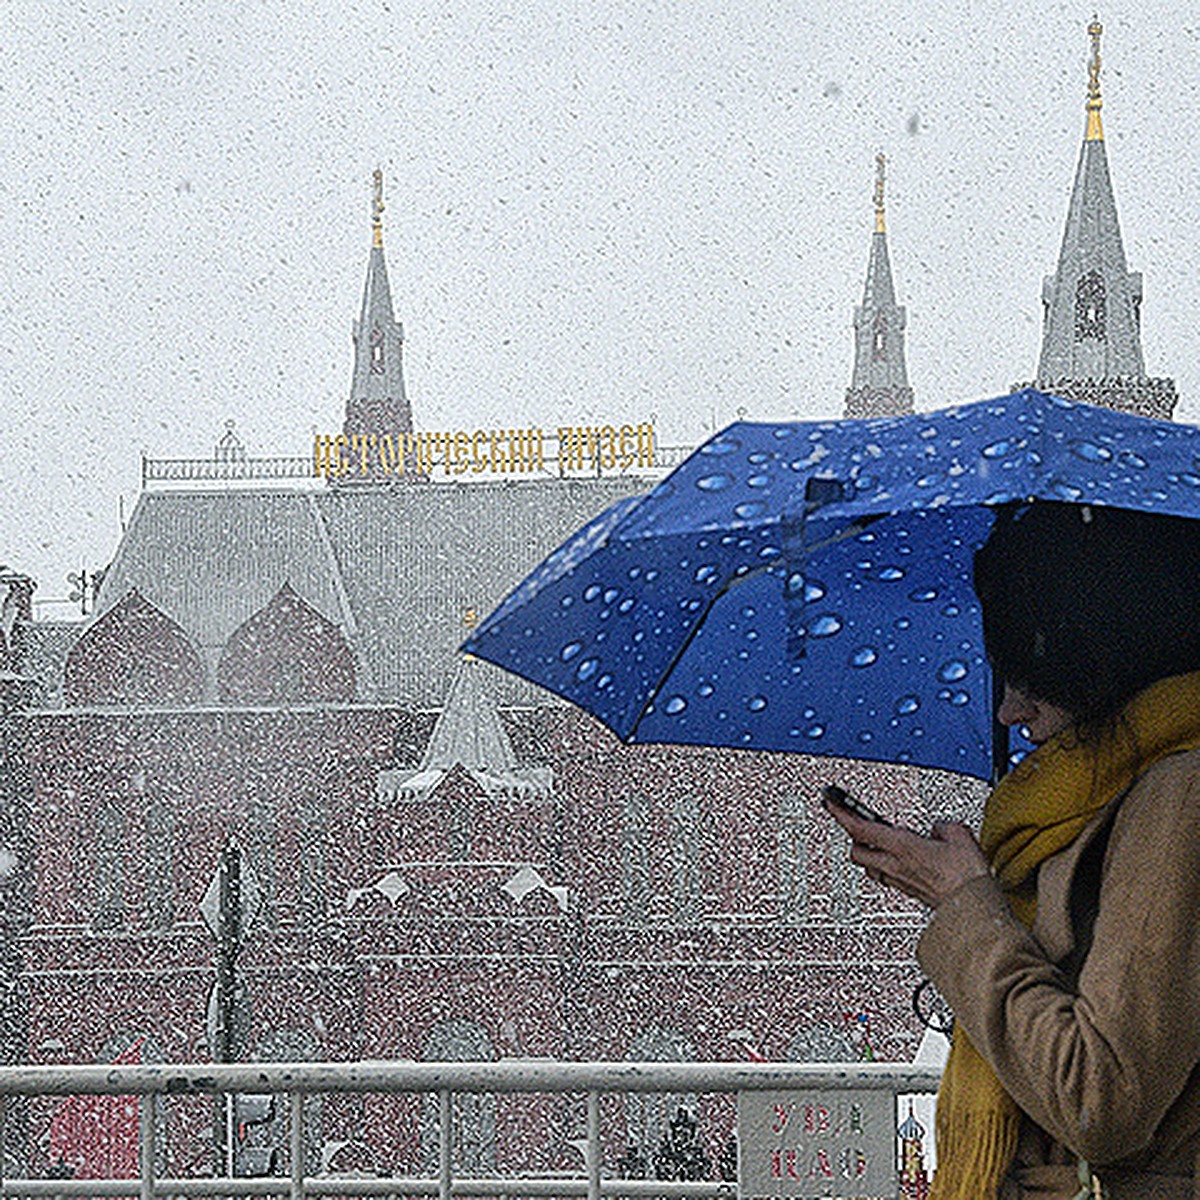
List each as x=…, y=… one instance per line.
x=296, y=1142
x=593, y=1145
x=445, y=1144
x=146, y=1144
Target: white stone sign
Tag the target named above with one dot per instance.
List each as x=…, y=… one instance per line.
x=807, y=1145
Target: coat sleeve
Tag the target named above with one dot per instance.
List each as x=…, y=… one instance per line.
x=1097, y=1067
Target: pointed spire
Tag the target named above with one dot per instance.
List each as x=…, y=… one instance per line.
x=1091, y=336
x=377, y=405
x=879, y=384
x=880, y=163
x=1095, y=130
x=470, y=735
x=377, y=217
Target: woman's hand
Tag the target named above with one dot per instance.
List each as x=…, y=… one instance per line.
x=927, y=868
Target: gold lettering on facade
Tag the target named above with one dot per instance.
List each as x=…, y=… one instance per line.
x=479, y=459
x=461, y=443
x=590, y=448
x=645, y=435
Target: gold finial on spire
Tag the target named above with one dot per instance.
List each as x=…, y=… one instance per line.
x=1095, y=131
x=471, y=621
x=880, y=227
x=377, y=209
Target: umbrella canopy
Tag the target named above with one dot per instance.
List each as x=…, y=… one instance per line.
x=807, y=586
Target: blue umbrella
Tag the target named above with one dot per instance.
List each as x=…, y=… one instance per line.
x=807, y=586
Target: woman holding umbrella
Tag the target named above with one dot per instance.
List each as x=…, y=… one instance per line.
x=1067, y=937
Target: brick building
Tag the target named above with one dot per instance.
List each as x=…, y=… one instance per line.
x=452, y=865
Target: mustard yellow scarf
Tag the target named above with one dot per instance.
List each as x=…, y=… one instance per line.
x=1033, y=813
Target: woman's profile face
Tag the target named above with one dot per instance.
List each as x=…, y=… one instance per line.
x=1041, y=719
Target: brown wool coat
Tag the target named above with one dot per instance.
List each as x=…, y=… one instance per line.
x=1109, y=1070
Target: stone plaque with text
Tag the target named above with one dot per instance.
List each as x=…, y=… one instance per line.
x=816, y=1144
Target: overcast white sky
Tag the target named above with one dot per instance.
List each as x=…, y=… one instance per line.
x=595, y=211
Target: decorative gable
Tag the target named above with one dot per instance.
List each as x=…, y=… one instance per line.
x=134, y=654
x=286, y=653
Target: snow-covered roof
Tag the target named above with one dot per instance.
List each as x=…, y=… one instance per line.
x=394, y=568
x=468, y=734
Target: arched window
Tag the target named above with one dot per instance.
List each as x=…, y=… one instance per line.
x=635, y=858
x=287, y=653
x=686, y=859
x=473, y=1120
x=793, y=860
x=845, y=892
x=160, y=865
x=648, y=1115
x=134, y=654
x=1090, y=308
x=879, y=338
x=287, y=1046
x=313, y=882
x=822, y=1043
x=108, y=881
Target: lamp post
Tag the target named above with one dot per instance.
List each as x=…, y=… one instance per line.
x=229, y=907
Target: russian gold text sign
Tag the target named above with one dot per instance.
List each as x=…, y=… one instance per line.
x=580, y=448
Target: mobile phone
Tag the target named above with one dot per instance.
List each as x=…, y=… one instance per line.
x=836, y=795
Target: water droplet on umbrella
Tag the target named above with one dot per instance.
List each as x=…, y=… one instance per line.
x=590, y=593
x=749, y=509
x=714, y=483
x=569, y=651
x=705, y=689
x=1091, y=452
x=1066, y=491
x=923, y=595
x=825, y=626
x=889, y=574
x=864, y=656
x=999, y=449
x=706, y=574
x=815, y=731
x=756, y=703
x=626, y=604
x=587, y=669
x=952, y=671
x=813, y=591
x=674, y=706
x=907, y=705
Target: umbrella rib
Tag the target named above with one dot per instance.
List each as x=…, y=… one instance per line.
x=727, y=586
x=849, y=531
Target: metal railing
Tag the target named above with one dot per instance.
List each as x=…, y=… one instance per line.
x=445, y=1081
x=298, y=469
